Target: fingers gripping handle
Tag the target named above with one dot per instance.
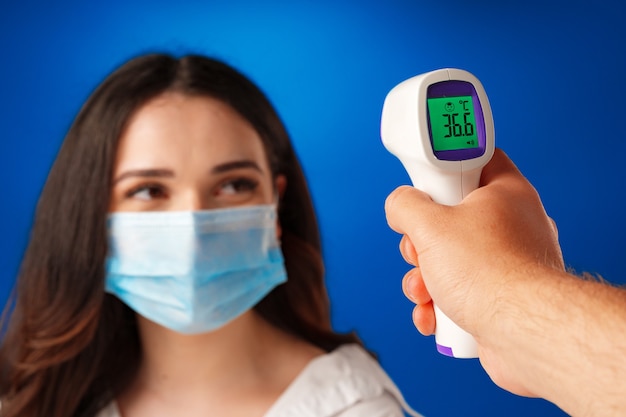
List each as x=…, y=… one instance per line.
x=450, y=190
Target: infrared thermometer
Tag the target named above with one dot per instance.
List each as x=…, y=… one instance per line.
x=439, y=125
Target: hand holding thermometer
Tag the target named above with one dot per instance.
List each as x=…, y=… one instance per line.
x=439, y=125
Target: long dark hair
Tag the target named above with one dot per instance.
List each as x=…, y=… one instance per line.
x=69, y=347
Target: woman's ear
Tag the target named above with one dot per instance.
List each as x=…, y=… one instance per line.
x=281, y=185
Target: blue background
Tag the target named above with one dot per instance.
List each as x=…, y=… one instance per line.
x=555, y=72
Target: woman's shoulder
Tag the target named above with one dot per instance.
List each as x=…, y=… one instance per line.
x=347, y=381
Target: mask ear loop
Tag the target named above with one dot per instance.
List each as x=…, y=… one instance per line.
x=280, y=185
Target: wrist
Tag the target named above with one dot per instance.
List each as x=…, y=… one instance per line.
x=555, y=335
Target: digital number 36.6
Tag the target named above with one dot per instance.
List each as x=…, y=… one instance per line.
x=456, y=129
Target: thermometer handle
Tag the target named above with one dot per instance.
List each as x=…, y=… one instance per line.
x=448, y=188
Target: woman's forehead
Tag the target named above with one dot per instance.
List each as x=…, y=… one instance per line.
x=175, y=126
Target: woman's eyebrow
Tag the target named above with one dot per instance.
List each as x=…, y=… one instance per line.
x=228, y=166
x=144, y=173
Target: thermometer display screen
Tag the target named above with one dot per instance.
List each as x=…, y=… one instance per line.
x=452, y=123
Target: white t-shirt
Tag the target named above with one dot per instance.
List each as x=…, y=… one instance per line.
x=346, y=382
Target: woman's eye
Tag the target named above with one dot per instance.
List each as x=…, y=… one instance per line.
x=147, y=192
x=237, y=186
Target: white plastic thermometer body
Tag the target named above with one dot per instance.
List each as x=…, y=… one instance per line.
x=439, y=125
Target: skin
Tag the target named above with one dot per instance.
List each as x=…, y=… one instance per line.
x=197, y=153
x=541, y=331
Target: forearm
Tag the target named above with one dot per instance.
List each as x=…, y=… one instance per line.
x=564, y=338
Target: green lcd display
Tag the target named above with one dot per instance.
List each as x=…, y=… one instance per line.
x=452, y=123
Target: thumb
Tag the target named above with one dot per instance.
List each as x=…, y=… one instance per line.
x=498, y=168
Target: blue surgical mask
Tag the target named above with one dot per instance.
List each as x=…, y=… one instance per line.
x=194, y=271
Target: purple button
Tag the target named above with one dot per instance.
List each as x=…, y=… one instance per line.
x=444, y=350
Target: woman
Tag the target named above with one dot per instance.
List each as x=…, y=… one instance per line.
x=155, y=284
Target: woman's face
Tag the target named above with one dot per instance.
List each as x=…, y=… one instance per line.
x=190, y=153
